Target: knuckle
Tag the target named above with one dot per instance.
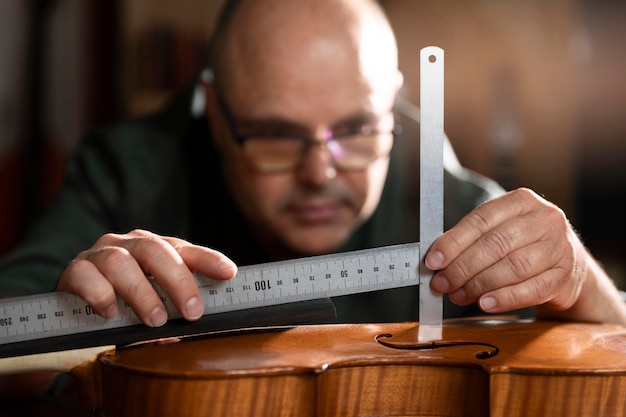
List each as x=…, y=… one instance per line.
x=142, y=297
x=112, y=239
x=557, y=217
x=477, y=220
x=449, y=242
x=100, y=299
x=541, y=290
x=176, y=242
x=112, y=257
x=107, y=239
x=154, y=242
x=525, y=193
x=530, y=293
x=77, y=266
x=519, y=265
x=135, y=289
x=140, y=233
x=515, y=299
x=180, y=280
x=151, y=246
x=73, y=274
x=151, y=250
x=475, y=288
x=497, y=243
x=458, y=273
x=185, y=249
x=525, y=197
x=510, y=298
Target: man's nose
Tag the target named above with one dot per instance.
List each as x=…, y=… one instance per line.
x=317, y=167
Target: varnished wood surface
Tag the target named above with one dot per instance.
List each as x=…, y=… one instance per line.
x=541, y=369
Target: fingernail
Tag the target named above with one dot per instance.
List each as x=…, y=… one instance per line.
x=158, y=317
x=193, y=309
x=440, y=284
x=110, y=311
x=227, y=266
x=434, y=260
x=488, y=303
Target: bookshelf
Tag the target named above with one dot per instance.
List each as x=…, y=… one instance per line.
x=162, y=46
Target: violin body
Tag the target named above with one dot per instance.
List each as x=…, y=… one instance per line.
x=497, y=368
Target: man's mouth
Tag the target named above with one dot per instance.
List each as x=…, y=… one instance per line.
x=315, y=212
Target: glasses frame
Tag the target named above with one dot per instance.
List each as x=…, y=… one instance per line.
x=240, y=138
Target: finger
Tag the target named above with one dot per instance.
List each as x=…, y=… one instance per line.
x=82, y=278
x=485, y=252
x=129, y=281
x=482, y=219
x=542, y=222
x=204, y=260
x=201, y=259
x=160, y=260
x=493, y=246
x=515, y=268
x=541, y=289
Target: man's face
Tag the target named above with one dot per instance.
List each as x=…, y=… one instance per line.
x=315, y=91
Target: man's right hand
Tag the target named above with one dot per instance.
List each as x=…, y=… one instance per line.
x=124, y=264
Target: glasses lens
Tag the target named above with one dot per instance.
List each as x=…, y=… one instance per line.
x=357, y=151
x=273, y=154
x=280, y=154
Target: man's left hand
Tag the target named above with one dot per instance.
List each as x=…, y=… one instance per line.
x=517, y=251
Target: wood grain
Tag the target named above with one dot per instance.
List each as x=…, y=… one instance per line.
x=542, y=369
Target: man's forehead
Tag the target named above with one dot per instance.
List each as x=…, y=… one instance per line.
x=292, y=57
x=275, y=10
x=306, y=108
x=314, y=95
x=280, y=30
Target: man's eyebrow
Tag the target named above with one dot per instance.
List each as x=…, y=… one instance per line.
x=271, y=124
x=277, y=124
x=357, y=119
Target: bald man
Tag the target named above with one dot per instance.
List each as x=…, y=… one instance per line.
x=289, y=145
x=291, y=148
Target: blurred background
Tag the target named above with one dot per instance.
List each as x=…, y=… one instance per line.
x=535, y=92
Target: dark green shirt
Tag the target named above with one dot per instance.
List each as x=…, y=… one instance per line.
x=162, y=174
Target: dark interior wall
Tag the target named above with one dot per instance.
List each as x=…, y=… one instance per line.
x=601, y=196
x=61, y=75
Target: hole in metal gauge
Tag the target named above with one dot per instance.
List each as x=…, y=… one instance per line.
x=432, y=59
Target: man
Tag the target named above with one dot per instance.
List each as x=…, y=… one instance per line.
x=292, y=155
x=321, y=78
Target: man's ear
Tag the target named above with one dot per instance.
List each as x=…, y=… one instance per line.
x=210, y=105
x=208, y=88
x=399, y=81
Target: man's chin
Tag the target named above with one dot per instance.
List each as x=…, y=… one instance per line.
x=317, y=242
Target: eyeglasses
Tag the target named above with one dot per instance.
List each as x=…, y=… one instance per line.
x=277, y=153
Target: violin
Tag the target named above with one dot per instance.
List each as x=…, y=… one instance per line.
x=496, y=366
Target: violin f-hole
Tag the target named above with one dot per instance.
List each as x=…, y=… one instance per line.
x=492, y=350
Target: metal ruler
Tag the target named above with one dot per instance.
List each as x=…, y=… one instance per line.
x=59, y=313
x=431, y=184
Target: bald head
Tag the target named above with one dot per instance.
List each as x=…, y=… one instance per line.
x=283, y=44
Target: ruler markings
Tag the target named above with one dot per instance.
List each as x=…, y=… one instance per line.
x=60, y=313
